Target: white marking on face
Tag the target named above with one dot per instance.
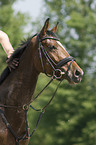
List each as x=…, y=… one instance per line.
x=61, y=45
x=58, y=42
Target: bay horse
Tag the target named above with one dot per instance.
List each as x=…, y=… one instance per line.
x=42, y=53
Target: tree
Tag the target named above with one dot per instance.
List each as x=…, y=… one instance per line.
x=13, y=24
x=70, y=120
x=6, y=2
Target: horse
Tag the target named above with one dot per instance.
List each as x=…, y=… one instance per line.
x=42, y=53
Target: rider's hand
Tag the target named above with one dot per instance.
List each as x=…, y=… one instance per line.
x=12, y=64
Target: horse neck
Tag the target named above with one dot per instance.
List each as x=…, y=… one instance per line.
x=18, y=88
x=29, y=74
x=25, y=78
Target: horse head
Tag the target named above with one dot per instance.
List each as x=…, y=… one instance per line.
x=53, y=59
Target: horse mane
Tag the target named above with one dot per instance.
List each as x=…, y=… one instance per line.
x=18, y=53
x=22, y=46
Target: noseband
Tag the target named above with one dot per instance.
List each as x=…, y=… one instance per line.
x=57, y=73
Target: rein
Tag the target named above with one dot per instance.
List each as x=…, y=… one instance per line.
x=25, y=108
x=57, y=74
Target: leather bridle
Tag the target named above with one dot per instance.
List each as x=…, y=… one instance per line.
x=57, y=74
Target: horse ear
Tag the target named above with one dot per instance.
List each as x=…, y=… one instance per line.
x=55, y=28
x=45, y=28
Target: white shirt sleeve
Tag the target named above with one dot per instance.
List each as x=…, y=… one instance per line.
x=4, y=40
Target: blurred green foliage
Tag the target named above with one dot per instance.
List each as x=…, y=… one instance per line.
x=71, y=117
x=13, y=24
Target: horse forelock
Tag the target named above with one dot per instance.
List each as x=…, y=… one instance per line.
x=50, y=33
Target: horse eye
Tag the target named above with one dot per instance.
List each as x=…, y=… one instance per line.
x=53, y=47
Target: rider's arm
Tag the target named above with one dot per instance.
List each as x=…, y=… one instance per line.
x=4, y=40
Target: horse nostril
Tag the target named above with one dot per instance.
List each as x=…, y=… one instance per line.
x=77, y=73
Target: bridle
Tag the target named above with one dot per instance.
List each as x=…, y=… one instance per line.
x=57, y=74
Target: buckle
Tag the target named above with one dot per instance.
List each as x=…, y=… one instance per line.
x=58, y=73
x=25, y=107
